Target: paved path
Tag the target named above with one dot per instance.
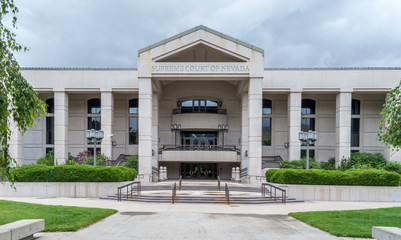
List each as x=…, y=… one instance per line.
x=137, y=220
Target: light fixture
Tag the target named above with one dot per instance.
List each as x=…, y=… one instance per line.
x=222, y=128
x=307, y=138
x=175, y=128
x=94, y=137
x=178, y=103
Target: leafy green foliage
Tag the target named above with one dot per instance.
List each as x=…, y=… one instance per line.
x=48, y=160
x=329, y=165
x=19, y=103
x=101, y=160
x=57, y=218
x=364, y=160
x=393, y=167
x=71, y=160
x=132, y=162
x=355, y=177
x=390, y=126
x=269, y=173
x=300, y=164
x=73, y=173
x=352, y=223
x=82, y=156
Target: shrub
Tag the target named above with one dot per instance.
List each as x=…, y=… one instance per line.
x=300, y=164
x=270, y=173
x=101, y=160
x=47, y=160
x=329, y=165
x=357, y=159
x=82, y=156
x=71, y=160
x=356, y=177
x=393, y=167
x=132, y=162
x=73, y=173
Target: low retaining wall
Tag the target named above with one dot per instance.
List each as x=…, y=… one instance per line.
x=343, y=193
x=60, y=189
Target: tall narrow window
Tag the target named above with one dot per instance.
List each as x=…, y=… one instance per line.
x=307, y=124
x=356, y=107
x=49, y=130
x=94, y=106
x=133, y=106
x=308, y=111
x=267, y=123
x=133, y=130
x=50, y=105
x=94, y=123
x=355, y=126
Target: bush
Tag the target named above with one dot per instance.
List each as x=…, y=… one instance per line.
x=82, y=156
x=101, y=160
x=71, y=160
x=329, y=165
x=355, y=177
x=358, y=159
x=269, y=173
x=132, y=162
x=300, y=164
x=47, y=160
x=73, y=173
x=393, y=167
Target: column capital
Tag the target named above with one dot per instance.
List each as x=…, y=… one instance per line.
x=296, y=90
x=346, y=90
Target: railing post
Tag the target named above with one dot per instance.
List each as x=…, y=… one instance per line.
x=218, y=182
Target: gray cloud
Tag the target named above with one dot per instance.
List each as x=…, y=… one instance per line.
x=293, y=33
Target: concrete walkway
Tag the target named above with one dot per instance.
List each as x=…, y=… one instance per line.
x=137, y=220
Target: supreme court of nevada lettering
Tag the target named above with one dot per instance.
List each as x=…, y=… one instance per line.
x=201, y=103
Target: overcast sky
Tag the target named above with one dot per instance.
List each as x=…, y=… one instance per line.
x=293, y=33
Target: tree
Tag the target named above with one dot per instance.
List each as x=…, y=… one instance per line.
x=18, y=101
x=390, y=126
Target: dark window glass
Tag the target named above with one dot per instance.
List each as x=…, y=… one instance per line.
x=356, y=107
x=94, y=123
x=186, y=106
x=133, y=130
x=199, y=105
x=354, y=151
x=307, y=124
x=267, y=106
x=308, y=106
x=49, y=130
x=266, y=131
x=48, y=150
x=133, y=106
x=211, y=106
x=355, y=132
x=98, y=151
x=50, y=105
x=311, y=153
x=94, y=106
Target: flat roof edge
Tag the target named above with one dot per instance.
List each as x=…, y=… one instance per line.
x=79, y=68
x=332, y=68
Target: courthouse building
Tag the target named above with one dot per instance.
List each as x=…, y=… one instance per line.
x=201, y=103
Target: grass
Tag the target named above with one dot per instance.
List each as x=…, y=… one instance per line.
x=352, y=223
x=57, y=218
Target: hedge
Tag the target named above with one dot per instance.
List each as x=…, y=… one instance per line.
x=351, y=177
x=73, y=173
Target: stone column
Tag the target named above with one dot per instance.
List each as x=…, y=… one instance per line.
x=106, y=115
x=294, y=124
x=145, y=128
x=60, y=126
x=155, y=130
x=343, y=125
x=16, y=144
x=255, y=93
x=244, y=130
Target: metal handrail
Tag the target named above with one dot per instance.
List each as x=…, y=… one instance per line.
x=174, y=193
x=243, y=172
x=169, y=147
x=283, y=192
x=218, y=182
x=129, y=190
x=180, y=184
x=227, y=194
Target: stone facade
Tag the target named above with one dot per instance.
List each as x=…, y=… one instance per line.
x=204, y=65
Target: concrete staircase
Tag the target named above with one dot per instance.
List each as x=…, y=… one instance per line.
x=201, y=192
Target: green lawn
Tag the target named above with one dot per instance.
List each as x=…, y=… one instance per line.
x=57, y=218
x=353, y=223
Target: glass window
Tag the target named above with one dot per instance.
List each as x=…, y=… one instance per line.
x=133, y=130
x=356, y=107
x=94, y=106
x=48, y=150
x=186, y=106
x=211, y=106
x=307, y=124
x=267, y=106
x=354, y=151
x=50, y=105
x=355, y=132
x=98, y=150
x=199, y=105
x=133, y=106
x=94, y=123
x=49, y=130
x=308, y=106
x=266, y=131
x=311, y=153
